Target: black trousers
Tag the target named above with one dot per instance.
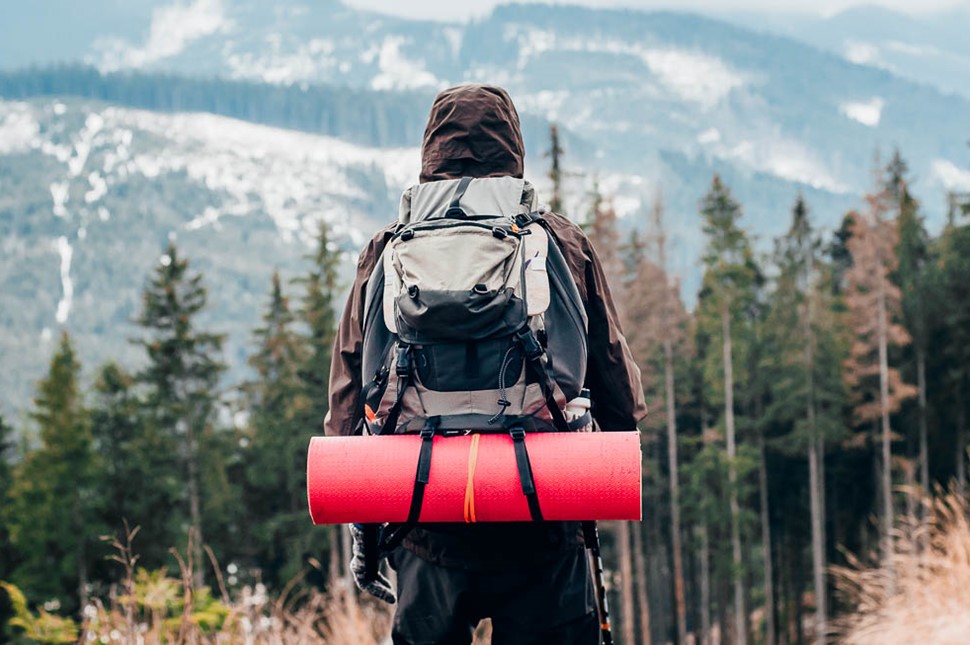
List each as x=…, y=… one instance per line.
x=548, y=602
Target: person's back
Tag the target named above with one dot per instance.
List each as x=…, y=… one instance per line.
x=530, y=578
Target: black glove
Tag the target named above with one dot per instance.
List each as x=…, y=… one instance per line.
x=366, y=563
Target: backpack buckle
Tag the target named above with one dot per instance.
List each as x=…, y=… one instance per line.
x=403, y=366
x=517, y=433
x=530, y=344
x=456, y=212
x=430, y=427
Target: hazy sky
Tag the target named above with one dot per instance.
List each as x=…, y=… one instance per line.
x=452, y=10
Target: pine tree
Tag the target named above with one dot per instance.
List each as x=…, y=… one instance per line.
x=137, y=472
x=276, y=462
x=954, y=314
x=6, y=481
x=655, y=324
x=182, y=374
x=53, y=501
x=802, y=364
x=911, y=278
x=555, y=170
x=317, y=313
x=601, y=227
x=726, y=310
x=874, y=304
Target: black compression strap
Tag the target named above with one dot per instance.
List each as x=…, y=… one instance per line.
x=403, y=371
x=424, y=470
x=533, y=353
x=525, y=472
x=421, y=477
x=365, y=395
x=372, y=542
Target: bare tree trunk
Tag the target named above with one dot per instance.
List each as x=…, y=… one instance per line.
x=680, y=606
x=195, y=513
x=887, y=480
x=626, y=582
x=678, y=558
x=924, y=460
x=770, y=630
x=816, y=484
x=82, y=565
x=961, y=448
x=818, y=546
x=705, y=584
x=335, y=567
x=643, y=599
x=740, y=614
x=346, y=543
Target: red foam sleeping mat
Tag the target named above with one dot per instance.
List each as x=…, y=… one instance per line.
x=578, y=476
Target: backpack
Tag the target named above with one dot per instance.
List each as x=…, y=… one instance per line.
x=472, y=323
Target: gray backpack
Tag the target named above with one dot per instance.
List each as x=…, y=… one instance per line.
x=473, y=322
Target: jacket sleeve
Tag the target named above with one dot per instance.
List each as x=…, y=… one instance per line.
x=345, y=366
x=612, y=375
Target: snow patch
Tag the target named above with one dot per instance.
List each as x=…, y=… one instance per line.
x=784, y=158
x=18, y=129
x=66, y=251
x=309, y=62
x=454, y=36
x=398, y=72
x=950, y=175
x=693, y=76
x=99, y=188
x=709, y=136
x=861, y=53
x=868, y=113
x=60, y=191
x=173, y=28
x=295, y=178
x=547, y=102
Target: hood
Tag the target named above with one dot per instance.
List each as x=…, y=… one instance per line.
x=473, y=131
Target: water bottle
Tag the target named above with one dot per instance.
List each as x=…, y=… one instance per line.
x=577, y=408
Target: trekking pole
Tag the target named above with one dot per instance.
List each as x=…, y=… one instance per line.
x=592, y=537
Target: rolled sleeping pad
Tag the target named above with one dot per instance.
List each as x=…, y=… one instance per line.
x=474, y=478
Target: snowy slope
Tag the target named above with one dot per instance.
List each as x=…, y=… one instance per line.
x=91, y=194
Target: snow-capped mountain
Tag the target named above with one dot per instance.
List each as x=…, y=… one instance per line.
x=91, y=188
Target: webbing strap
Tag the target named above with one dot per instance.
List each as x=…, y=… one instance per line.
x=470, y=486
x=403, y=370
x=365, y=395
x=525, y=472
x=455, y=209
x=533, y=354
x=423, y=471
x=421, y=477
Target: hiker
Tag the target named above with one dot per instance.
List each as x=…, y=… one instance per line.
x=531, y=578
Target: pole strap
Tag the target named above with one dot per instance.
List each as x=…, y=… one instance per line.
x=525, y=472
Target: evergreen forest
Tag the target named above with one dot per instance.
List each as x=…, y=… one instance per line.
x=804, y=413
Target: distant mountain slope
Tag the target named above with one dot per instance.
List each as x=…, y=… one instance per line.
x=925, y=48
x=92, y=188
x=91, y=194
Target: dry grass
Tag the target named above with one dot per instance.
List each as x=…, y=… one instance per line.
x=155, y=607
x=923, y=594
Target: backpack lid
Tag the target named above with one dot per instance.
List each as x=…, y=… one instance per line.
x=497, y=196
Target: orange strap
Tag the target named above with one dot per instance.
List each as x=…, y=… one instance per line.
x=470, y=487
